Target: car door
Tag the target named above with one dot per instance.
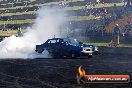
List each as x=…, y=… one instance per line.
x=60, y=47
x=66, y=47
x=51, y=46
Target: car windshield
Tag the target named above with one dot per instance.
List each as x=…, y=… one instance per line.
x=74, y=41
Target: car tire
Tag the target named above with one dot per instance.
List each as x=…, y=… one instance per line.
x=90, y=56
x=56, y=56
x=73, y=55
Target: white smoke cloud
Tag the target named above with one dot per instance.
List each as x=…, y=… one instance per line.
x=46, y=25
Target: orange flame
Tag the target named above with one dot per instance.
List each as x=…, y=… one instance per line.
x=81, y=71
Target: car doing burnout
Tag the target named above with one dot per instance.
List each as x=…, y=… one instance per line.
x=65, y=47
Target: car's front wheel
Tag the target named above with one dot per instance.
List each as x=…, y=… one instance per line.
x=72, y=54
x=90, y=56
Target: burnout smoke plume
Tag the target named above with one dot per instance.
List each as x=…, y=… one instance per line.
x=46, y=25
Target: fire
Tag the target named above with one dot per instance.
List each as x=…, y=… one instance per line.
x=81, y=71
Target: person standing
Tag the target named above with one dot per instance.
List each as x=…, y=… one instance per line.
x=117, y=33
x=97, y=1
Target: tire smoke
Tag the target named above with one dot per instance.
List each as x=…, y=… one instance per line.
x=47, y=25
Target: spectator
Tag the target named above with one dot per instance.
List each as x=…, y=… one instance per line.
x=103, y=12
x=85, y=9
x=127, y=28
x=117, y=34
x=124, y=1
x=97, y=1
x=117, y=30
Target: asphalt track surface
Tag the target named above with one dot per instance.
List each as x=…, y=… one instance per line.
x=61, y=73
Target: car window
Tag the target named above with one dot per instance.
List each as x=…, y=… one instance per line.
x=58, y=40
x=74, y=41
x=52, y=41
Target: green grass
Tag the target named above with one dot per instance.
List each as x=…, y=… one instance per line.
x=19, y=13
x=80, y=18
x=17, y=22
x=108, y=5
x=107, y=44
x=99, y=44
x=10, y=32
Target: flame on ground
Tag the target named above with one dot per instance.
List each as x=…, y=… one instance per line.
x=81, y=71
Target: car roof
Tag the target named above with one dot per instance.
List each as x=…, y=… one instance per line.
x=56, y=38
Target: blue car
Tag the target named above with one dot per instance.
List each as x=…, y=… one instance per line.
x=65, y=47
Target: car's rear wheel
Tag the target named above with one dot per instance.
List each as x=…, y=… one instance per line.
x=72, y=55
x=57, y=56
